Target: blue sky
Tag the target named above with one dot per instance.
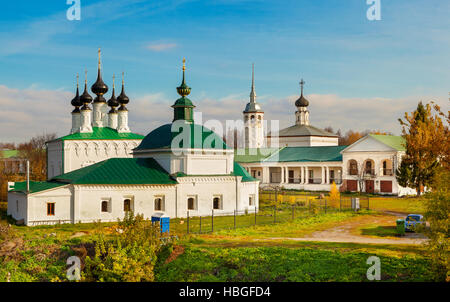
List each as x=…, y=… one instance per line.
x=330, y=43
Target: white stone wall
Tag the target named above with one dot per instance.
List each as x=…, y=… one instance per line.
x=82, y=153
x=17, y=205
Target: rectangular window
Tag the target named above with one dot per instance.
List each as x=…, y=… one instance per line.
x=51, y=209
x=105, y=207
x=251, y=200
x=159, y=203
x=127, y=205
x=217, y=203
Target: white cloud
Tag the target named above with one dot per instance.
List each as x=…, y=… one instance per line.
x=161, y=46
x=28, y=112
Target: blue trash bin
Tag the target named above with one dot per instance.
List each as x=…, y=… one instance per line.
x=163, y=220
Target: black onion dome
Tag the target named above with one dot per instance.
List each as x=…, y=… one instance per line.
x=112, y=102
x=99, y=87
x=123, y=98
x=302, y=102
x=76, y=101
x=86, y=97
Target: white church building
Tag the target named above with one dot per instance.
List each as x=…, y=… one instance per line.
x=101, y=170
x=305, y=157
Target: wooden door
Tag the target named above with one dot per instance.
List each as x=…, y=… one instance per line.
x=370, y=188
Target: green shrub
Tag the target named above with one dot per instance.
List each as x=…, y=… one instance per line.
x=129, y=255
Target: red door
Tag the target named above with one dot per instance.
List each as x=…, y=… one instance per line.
x=370, y=188
x=352, y=185
x=386, y=186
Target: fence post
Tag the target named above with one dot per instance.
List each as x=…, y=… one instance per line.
x=340, y=202
x=325, y=205
x=188, y=222
x=293, y=212
x=234, y=219
x=368, y=198
x=200, y=224
x=275, y=214
x=255, y=215
x=212, y=221
x=309, y=206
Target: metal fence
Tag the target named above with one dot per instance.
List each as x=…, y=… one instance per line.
x=304, y=206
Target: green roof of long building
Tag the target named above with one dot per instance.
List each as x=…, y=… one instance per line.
x=307, y=154
x=119, y=171
x=36, y=186
x=100, y=133
x=253, y=155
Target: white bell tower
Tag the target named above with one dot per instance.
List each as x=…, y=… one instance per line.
x=253, y=120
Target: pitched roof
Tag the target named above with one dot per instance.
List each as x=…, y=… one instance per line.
x=100, y=133
x=119, y=171
x=393, y=141
x=252, y=155
x=303, y=130
x=307, y=154
x=238, y=170
x=161, y=138
x=35, y=186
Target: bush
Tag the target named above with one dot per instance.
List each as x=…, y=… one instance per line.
x=129, y=255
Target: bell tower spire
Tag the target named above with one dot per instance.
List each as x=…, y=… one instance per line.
x=302, y=113
x=183, y=109
x=253, y=119
x=99, y=88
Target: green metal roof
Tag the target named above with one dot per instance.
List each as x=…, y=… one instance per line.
x=253, y=155
x=36, y=186
x=162, y=137
x=119, y=171
x=238, y=170
x=183, y=102
x=8, y=153
x=302, y=130
x=307, y=154
x=101, y=133
x=393, y=141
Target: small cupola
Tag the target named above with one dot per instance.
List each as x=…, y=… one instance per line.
x=301, y=101
x=85, y=98
x=183, y=108
x=112, y=102
x=76, y=101
x=99, y=88
x=123, y=98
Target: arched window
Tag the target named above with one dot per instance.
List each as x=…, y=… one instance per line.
x=159, y=204
x=387, y=167
x=353, y=167
x=104, y=206
x=369, y=167
x=127, y=205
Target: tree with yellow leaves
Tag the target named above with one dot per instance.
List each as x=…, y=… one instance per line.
x=425, y=139
x=334, y=195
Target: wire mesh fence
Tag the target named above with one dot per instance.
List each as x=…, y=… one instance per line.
x=302, y=207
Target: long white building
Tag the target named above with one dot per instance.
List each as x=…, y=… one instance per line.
x=180, y=168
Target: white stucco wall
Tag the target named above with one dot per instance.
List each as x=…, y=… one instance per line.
x=304, y=141
x=82, y=153
x=17, y=206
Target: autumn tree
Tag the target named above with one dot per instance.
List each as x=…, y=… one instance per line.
x=424, y=135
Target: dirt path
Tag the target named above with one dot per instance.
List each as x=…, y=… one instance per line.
x=350, y=231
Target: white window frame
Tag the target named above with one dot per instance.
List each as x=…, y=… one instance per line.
x=252, y=200
x=220, y=202
x=195, y=202
x=108, y=200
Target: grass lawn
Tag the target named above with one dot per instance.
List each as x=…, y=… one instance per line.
x=290, y=262
x=407, y=205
